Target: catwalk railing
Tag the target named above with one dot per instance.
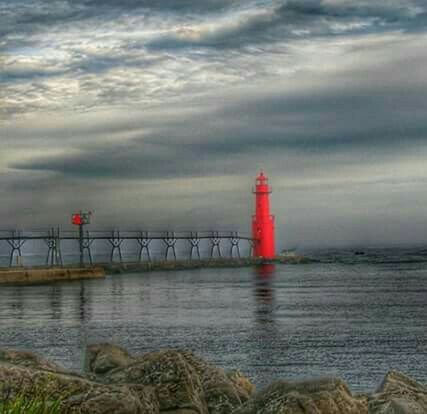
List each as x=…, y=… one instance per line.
x=216, y=244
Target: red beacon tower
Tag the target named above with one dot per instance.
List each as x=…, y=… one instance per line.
x=263, y=221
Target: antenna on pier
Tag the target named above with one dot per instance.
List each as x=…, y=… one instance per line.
x=81, y=219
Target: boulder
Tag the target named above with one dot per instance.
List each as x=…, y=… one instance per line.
x=102, y=358
x=223, y=393
x=325, y=396
x=78, y=394
x=399, y=394
x=245, y=387
x=182, y=380
x=176, y=383
x=29, y=360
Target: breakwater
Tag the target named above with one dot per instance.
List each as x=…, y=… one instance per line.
x=36, y=275
x=26, y=276
x=177, y=265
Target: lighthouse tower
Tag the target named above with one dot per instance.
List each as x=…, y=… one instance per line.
x=263, y=221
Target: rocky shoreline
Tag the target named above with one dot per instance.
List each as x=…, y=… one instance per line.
x=179, y=382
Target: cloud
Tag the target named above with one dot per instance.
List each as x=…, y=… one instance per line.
x=32, y=16
x=295, y=19
x=192, y=6
x=358, y=115
x=104, y=55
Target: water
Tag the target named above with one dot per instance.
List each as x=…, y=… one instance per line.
x=350, y=316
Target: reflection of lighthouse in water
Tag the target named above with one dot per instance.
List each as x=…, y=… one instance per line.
x=266, y=334
x=264, y=294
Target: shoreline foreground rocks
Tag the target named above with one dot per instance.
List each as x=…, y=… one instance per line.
x=179, y=382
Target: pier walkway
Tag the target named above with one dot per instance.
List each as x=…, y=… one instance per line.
x=216, y=244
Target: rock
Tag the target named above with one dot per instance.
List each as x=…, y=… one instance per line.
x=399, y=394
x=147, y=397
x=327, y=396
x=179, y=382
x=78, y=394
x=175, y=381
x=243, y=384
x=182, y=380
x=102, y=358
x=29, y=360
x=222, y=394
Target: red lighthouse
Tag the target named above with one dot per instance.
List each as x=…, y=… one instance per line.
x=263, y=221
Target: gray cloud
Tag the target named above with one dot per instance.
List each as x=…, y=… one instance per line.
x=296, y=19
x=61, y=39
x=345, y=117
x=192, y=6
x=31, y=16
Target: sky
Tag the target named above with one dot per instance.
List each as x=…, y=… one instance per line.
x=158, y=114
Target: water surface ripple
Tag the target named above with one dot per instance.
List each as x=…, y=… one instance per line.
x=353, y=320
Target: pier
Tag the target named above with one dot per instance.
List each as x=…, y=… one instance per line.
x=216, y=244
x=42, y=274
x=68, y=253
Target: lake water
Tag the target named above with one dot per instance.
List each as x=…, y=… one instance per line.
x=352, y=316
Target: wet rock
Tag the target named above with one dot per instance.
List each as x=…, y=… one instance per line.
x=102, y=358
x=399, y=394
x=327, y=396
x=78, y=394
x=176, y=383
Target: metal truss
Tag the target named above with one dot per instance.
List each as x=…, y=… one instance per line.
x=116, y=243
x=170, y=241
x=144, y=244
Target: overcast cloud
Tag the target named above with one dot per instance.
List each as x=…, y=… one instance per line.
x=159, y=114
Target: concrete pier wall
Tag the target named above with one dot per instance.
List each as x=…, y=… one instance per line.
x=111, y=268
x=29, y=276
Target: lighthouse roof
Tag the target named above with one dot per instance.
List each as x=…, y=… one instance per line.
x=262, y=177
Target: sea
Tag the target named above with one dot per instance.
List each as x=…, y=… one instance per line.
x=353, y=314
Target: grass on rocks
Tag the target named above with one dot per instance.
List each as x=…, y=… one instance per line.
x=34, y=405
x=29, y=401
